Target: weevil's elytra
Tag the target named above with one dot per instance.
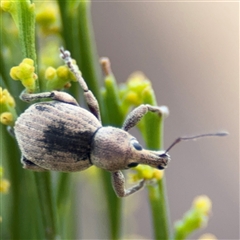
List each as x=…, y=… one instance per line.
x=59, y=135
x=50, y=134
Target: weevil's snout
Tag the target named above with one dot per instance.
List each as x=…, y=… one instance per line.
x=156, y=159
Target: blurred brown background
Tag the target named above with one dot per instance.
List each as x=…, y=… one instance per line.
x=190, y=51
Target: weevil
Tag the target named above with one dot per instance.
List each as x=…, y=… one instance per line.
x=59, y=135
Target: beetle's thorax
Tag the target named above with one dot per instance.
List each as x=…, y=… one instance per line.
x=109, y=148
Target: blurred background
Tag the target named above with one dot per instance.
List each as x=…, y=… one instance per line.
x=190, y=52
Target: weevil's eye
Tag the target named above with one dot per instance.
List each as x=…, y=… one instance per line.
x=160, y=167
x=136, y=145
x=130, y=165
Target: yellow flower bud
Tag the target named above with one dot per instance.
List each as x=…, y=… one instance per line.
x=50, y=73
x=4, y=185
x=138, y=81
x=147, y=173
x=203, y=203
x=6, y=6
x=133, y=98
x=47, y=16
x=158, y=174
x=14, y=73
x=63, y=72
x=25, y=70
x=6, y=118
x=207, y=236
x=6, y=98
x=28, y=61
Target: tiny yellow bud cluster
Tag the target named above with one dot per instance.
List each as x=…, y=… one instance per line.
x=146, y=172
x=47, y=17
x=8, y=6
x=7, y=108
x=137, y=83
x=196, y=217
x=4, y=183
x=207, y=236
x=6, y=98
x=25, y=73
x=59, y=78
x=203, y=204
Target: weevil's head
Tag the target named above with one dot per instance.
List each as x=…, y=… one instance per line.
x=115, y=149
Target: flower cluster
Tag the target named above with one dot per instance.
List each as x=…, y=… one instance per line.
x=8, y=113
x=47, y=18
x=25, y=73
x=57, y=79
x=197, y=217
x=134, y=92
x=146, y=172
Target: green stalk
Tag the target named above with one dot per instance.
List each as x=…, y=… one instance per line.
x=26, y=20
x=24, y=17
x=89, y=64
x=12, y=172
x=153, y=135
x=113, y=116
x=26, y=27
x=43, y=182
x=64, y=204
x=79, y=40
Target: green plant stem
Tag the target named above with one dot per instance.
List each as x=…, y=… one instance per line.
x=79, y=40
x=14, y=174
x=114, y=116
x=64, y=199
x=159, y=208
x=26, y=27
x=112, y=113
x=114, y=207
x=153, y=134
x=43, y=182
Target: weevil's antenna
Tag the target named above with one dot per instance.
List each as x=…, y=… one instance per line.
x=219, y=134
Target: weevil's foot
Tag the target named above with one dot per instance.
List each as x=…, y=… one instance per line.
x=31, y=166
x=24, y=96
x=11, y=131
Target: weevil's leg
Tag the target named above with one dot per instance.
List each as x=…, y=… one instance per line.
x=30, y=165
x=54, y=95
x=118, y=185
x=136, y=115
x=89, y=97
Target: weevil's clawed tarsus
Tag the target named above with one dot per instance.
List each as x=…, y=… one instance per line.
x=54, y=95
x=31, y=166
x=11, y=131
x=136, y=115
x=90, y=98
x=118, y=185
